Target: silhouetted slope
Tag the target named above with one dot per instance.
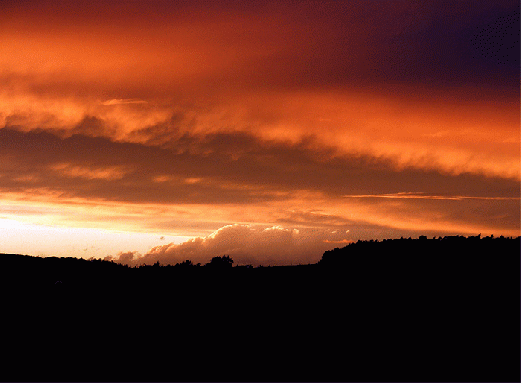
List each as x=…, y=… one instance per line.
x=450, y=307
x=401, y=310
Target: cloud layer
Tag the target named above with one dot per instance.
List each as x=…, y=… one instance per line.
x=181, y=118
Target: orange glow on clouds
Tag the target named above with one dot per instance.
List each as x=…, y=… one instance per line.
x=180, y=119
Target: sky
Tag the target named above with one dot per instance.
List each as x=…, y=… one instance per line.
x=270, y=131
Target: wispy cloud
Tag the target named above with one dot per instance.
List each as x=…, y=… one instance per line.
x=104, y=173
x=419, y=195
x=122, y=101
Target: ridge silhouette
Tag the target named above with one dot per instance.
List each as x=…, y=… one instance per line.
x=443, y=309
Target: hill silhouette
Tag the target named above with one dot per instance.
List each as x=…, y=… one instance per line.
x=395, y=310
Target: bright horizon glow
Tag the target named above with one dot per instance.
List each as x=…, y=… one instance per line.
x=46, y=241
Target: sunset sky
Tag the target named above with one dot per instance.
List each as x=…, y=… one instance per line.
x=270, y=131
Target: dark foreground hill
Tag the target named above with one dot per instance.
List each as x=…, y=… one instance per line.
x=400, y=310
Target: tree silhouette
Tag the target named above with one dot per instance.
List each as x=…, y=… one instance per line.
x=184, y=264
x=223, y=262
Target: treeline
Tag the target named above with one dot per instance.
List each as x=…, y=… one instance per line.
x=443, y=309
x=447, y=252
x=447, y=255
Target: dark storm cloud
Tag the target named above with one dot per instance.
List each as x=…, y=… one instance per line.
x=446, y=43
x=371, y=43
x=298, y=44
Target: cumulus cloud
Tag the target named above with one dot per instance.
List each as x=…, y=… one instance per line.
x=246, y=244
x=125, y=257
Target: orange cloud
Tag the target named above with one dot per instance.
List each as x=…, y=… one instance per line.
x=477, y=138
x=106, y=173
